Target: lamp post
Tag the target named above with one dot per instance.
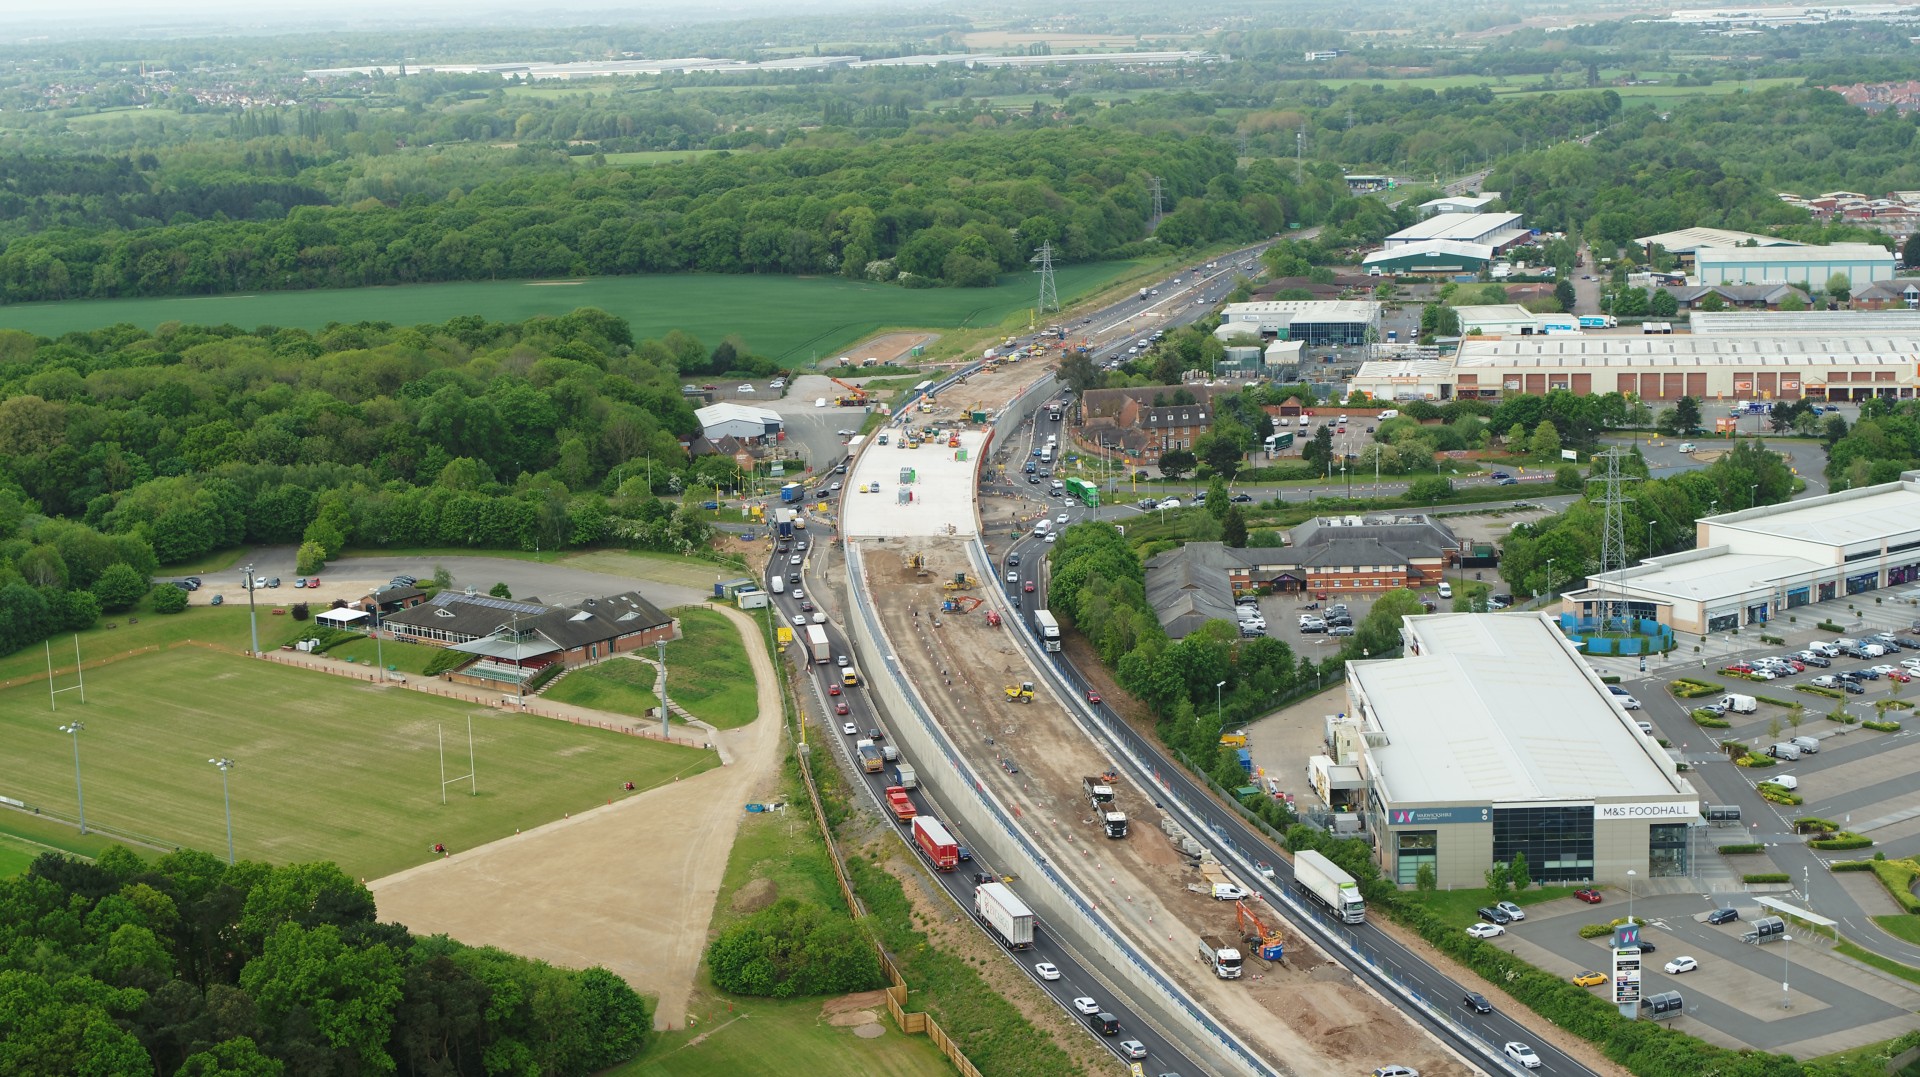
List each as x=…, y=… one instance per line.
x=224, y=764
x=1219, y=713
x=1649, y=538
x=1549, y=594
x=1630, y=875
x=1753, y=500
x=253, y=619
x=74, y=728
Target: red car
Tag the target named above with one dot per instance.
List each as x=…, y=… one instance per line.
x=833, y=689
x=1093, y=696
x=1591, y=897
x=314, y=582
x=1029, y=587
x=1896, y=675
x=840, y=707
x=1737, y=667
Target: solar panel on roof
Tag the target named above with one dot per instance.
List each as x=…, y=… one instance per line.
x=448, y=598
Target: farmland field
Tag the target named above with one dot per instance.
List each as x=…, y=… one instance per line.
x=325, y=768
x=788, y=318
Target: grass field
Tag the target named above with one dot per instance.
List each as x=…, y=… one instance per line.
x=788, y=318
x=709, y=675
x=622, y=686
x=650, y=157
x=326, y=769
x=769, y=1036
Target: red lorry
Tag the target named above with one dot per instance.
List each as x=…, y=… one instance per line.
x=902, y=805
x=937, y=843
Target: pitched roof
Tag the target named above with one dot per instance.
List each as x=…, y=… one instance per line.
x=1416, y=536
x=1188, y=586
x=475, y=616
x=1352, y=552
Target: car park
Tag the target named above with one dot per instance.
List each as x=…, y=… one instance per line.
x=1522, y=1054
x=1486, y=931
x=1591, y=897
x=1681, y=964
x=1477, y=1002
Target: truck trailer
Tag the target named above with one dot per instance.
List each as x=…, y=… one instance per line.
x=935, y=841
x=902, y=775
x=1224, y=959
x=901, y=805
x=1100, y=799
x=1005, y=913
x=817, y=643
x=1047, y=628
x=1323, y=881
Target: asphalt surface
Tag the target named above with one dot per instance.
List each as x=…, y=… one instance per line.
x=1074, y=981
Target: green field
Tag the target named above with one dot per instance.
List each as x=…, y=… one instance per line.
x=769, y=1036
x=788, y=318
x=650, y=157
x=1458, y=905
x=326, y=769
x=710, y=676
x=622, y=686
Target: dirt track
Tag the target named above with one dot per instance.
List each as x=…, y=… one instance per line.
x=1327, y=1024
x=630, y=886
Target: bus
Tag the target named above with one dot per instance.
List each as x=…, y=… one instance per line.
x=1084, y=492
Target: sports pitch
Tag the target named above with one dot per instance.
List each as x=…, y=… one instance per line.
x=325, y=768
x=787, y=318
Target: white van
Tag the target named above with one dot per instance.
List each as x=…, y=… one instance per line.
x=1043, y=527
x=1388, y=414
x=1306, y=421
x=779, y=585
x=1739, y=704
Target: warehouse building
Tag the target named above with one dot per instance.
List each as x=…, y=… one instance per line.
x=1512, y=319
x=1827, y=323
x=1493, y=737
x=1659, y=368
x=1311, y=321
x=1686, y=241
x=743, y=421
x=1751, y=566
x=1808, y=267
x=1461, y=203
x=1497, y=230
x=1434, y=257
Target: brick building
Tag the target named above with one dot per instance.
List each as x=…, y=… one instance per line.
x=513, y=641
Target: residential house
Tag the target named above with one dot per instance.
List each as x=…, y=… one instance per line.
x=1734, y=296
x=1901, y=293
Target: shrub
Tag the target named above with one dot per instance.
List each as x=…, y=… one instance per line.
x=1845, y=839
x=540, y=679
x=1773, y=702
x=1709, y=720
x=169, y=599
x=1741, y=850
x=1814, y=822
x=1850, y=865
x=1778, y=795
x=1829, y=626
x=119, y=587
x=1882, y=727
x=447, y=659
x=1774, y=640
x=1754, y=762
x=1843, y=717
x=1897, y=877
x=1691, y=689
x=1814, y=689
x=1767, y=877
x=326, y=639
x=791, y=949
x=1595, y=931
x=300, y=611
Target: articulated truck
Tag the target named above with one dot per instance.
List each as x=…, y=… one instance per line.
x=937, y=842
x=1224, y=959
x=817, y=645
x=1047, y=628
x=1099, y=791
x=1006, y=914
x=1323, y=881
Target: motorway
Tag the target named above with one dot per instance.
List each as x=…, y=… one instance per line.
x=1075, y=981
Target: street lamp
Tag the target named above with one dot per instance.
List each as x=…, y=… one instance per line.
x=1754, y=500
x=224, y=764
x=1630, y=875
x=1219, y=714
x=1649, y=538
x=80, y=797
x=1549, y=594
x=253, y=619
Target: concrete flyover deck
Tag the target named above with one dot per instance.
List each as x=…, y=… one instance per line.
x=940, y=499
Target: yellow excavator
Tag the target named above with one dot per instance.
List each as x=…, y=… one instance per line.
x=1020, y=693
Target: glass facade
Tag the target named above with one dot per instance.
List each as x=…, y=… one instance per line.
x=1667, y=849
x=1415, y=847
x=1558, y=841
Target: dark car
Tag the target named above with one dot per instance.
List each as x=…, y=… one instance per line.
x=1033, y=480
x=405, y=581
x=1816, y=660
x=1723, y=916
x=193, y=583
x=1506, y=480
x=1646, y=947
x=876, y=735
x=1241, y=499
x=1908, y=642
x=1848, y=675
x=1477, y=1002
x=1867, y=674
x=1013, y=559
x=1493, y=916
x=1852, y=688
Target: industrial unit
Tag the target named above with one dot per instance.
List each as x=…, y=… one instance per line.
x=1756, y=564
x=1512, y=319
x=1493, y=737
x=1808, y=267
x=1311, y=321
x=1435, y=256
x=1497, y=230
x=743, y=421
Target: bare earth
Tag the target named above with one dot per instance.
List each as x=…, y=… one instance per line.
x=630, y=887
x=1326, y=1025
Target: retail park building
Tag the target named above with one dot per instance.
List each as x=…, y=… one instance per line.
x=1493, y=737
x=1752, y=566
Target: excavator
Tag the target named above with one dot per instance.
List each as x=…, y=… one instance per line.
x=855, y=397
x=1020, y=693
x=1271, y=944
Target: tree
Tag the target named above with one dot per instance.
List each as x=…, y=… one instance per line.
x=1317, y=452
x=1793, y=301
x=500, y=590
x=1222, y=453
x=347, y=995
x=1078, y=371
x=1773, y=729
x=169, y=599
x=311, y=558
x=1686, y=414
x=1566, y=477
x=1499, y=877
x=238, y=1057
x=1711, y=302
x=1546, y=441
x=1910, y=253
x=119, y=587
x=1217, y=503
x=1839, y=287
x=1662, y=304
x=1516, y=438
x=1518, y=872
x=1175, y=463
x=1430, y=488
x=1425, y=879
x=1563, y=294
x=442, y=579
x=1797, y=713
x=1233, y=530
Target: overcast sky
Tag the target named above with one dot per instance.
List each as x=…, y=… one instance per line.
x=113, y=18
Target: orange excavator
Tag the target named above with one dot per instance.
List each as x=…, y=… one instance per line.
x=855, y=397
x=1272, y=945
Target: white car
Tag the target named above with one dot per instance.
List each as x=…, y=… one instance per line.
x=1627, y=703
x=1762, y=674
x=1133, y=1049
x=1911, y=663
x=1046, y=971
x=1086, y=1005
x=798, y=594
x=1682, y=964
x=832, y=487
x=744, y=389
x=799, y=620
x=1883, y=670
x=840, y=660
x=1063, y=519
x=1485, y=930
x=793, y=559
x=1053, y=537
x=1170, y=503
x=1522, y=1054
x=848, y=729
x=1512, y=910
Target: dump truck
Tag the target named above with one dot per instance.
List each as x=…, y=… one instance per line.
x=935, y=841
x=817, y=644
x=899, y=803
x=902, y=775
x=1005, y=913
x=871, y=759
x=1224, y=959
x=1020, y=693
x=1326, y=883
x=1099, y=790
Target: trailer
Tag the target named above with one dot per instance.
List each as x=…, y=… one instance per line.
x=935, y=841
x=1099, y=790
x=1328, y=885
x=792, y=491
x=902, y=774
x=783, y=522
x=899, y=803
x=1005, y=913
x=817, y=644
x=1048, y=629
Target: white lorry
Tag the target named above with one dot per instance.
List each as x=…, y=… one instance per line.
x=1005, y=913
x=817, y=644
x=1225, y=959
x=1326, y=883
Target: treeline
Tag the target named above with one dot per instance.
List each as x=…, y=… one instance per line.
x=1716, y=161
x=791, y=949
x=91, y=192
x=191, y=967
x=1884, y=443
x=955, y=211
x=1659, y=518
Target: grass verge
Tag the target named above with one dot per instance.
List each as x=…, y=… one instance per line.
x=710, y=675
x=754, y=1036
x=327, y=769
x=1902, y=926
x=621, y=685
x=1884, y=964
x=1459, y=905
